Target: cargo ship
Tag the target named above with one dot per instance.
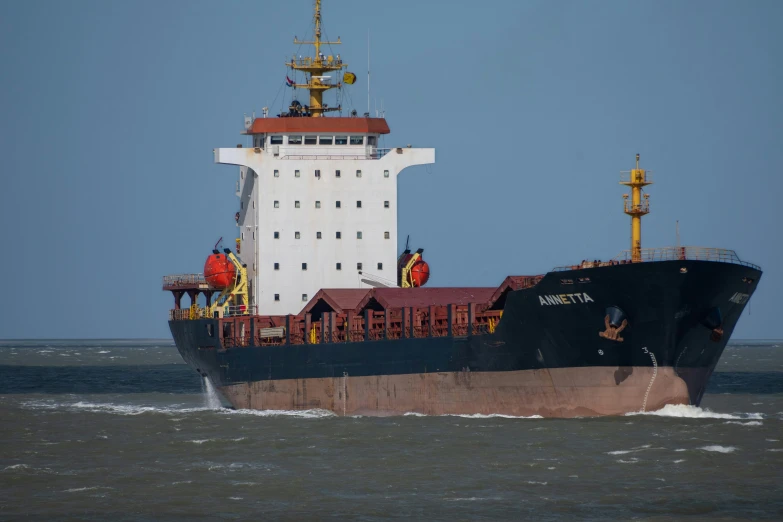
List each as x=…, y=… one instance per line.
x=315, y=309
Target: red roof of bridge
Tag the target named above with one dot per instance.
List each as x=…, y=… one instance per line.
x=320, y=125
x=421, y=297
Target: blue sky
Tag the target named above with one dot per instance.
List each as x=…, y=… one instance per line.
x=110, y=111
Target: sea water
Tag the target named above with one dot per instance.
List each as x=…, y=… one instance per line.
x=125, y=430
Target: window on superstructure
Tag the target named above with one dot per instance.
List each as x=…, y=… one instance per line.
x=318, y=235
x=380, y=266
x=386, y=235
x=341, y=140
x=372, y=140
x=277, y=173
x=294, y=140
x=277, y=235
x=385, y=173
x=304, y=266
x=242, y=236
x=325, y=140
x=337, y=204
x=338, y=235
x=357, y=140
x=241, y=205
x=304, y=297
x=358, y=204
x=358, y=235
x=310, y=140
x=254, y=203
x=254, y=235
x=296, y=204
x=358, y=266
x=336, y=173
x=339, y=266
x=275, y=140
x=296, y=235
x=296, y=173
x=277, y=204
x=277, y=297
x=385, y=204
x=277, y=266
x=318, y=174
x=358, y=173
x=317, y=204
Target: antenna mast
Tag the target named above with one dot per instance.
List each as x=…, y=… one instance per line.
x=368, y=71
x=315, y=67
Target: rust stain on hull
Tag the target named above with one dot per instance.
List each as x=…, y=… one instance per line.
x=556, y=392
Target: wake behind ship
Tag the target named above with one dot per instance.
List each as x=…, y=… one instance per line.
x=302, y=314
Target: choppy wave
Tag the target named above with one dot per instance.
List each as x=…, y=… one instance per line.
x=694, y=412
x=473, y=415
x=719, y=449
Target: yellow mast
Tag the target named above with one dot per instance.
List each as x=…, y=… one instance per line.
x=317, y=82
x=637, y=207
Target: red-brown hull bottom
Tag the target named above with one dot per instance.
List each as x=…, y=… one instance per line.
x=555, y=392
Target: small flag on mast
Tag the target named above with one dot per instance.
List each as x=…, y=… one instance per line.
x=349, y=78
x=289, y=81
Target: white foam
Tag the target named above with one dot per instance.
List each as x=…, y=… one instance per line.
x=16, y=466
x=536, y=482
x=74, y=490
x=618, y=452
x=105, y=351
x=679, y=460
x=632, y=460
x=719, y=449
x=202, y=441
x=305, y=414
x=490, y=416
x=119, y=409
x=694, y=412
x=776, y=450
x=748, y=423
x=414, y=414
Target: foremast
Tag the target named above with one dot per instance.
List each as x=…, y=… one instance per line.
x=315, y=69
x=637, y=207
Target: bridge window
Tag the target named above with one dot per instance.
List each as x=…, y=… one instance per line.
x=277, y=266
x=277, y=173
x=277, y=297
x=276, y=140
x=318, y=174
x=304, y=266
x=338, y=235
x=296, y=235
x=310, y=140
x=336, y=173
x=358, y=266
x=358, y=204
x=372, y=140
x=341, y=140
x=339, y=266
x=304, y=297
x=277, y=204
x=380, y=266
x=317, y=204
x=325, y=140
x=296, y=204
x=357, y=140
x=294, y=140
x=385, y=204
x=337, y=204
x=318, y=235
x=358, y=173
x=358, y=235
x=277, y=235
x=385, y=173
x=386, y=235
x=296, y=173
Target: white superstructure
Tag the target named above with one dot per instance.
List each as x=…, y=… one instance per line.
x=317, y=207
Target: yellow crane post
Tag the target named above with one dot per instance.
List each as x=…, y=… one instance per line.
x=638, y=206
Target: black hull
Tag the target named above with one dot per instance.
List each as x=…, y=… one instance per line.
x=670, y=307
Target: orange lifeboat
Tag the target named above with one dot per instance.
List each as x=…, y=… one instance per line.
x=420, y=273
x=219, y=271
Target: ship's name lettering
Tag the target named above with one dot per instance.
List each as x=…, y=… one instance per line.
x=739, y=298
x=564, y=299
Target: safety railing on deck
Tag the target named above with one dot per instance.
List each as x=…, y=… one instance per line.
x=719, y=255
x=184, y=281
x=203, y=312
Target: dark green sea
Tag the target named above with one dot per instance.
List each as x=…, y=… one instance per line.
x=124, y=430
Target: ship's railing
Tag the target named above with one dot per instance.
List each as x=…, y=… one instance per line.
x=298, y=153
x=625, y=176
x=689, y=253
x=203, y=312
x=184, y=281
